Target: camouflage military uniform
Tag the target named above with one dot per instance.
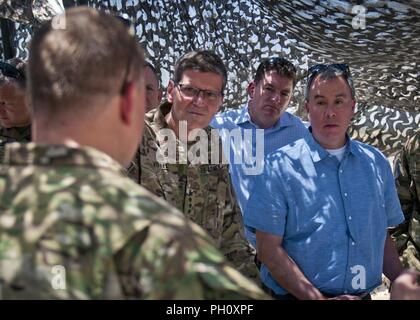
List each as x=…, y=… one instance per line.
x=18, y=134
x=202, y=192
x=74, y=209
x=407, y=173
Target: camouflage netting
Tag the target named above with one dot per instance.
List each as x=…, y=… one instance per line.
x=378, y=39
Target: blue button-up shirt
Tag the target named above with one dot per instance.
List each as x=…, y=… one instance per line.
x=332, y=215
x=245, y=149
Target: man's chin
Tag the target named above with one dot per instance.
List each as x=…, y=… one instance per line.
x=198, y=123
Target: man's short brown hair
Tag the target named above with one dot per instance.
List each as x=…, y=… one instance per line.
x=280, y=65
x=203, y=61
x=83, y=59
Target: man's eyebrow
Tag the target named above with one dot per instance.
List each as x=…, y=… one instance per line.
x=337, y=95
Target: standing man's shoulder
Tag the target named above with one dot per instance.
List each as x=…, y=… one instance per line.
x=372, y=153
x=412, y=147
x=291, y=151
x=191, y=258
x=407, y=161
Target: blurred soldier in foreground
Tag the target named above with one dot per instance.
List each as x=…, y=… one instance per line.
x=71, y=224
x=407, y=173
x=14, y=116
x=181, y=162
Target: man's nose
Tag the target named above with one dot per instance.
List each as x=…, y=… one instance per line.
x=276, y=97
x=330, y=111
x=199, y=98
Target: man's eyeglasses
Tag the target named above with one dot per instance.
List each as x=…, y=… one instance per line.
x=10, y=71
x=318, y=68
x=190, y=92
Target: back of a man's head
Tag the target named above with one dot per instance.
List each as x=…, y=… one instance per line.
x=80, y=62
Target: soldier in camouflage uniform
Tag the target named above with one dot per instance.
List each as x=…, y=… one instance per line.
x=14, y=116
x=71, y=224
x=200, y=189
x=407, y=173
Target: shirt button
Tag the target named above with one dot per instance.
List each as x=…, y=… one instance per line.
x=341, y=171
x=345, y=194
x=349, y=217
x=352, y=243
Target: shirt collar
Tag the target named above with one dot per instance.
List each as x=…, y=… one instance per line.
x=318, y=153
x=285, y=120
x=244, y=116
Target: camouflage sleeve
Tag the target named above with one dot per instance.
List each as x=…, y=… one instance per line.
x=174, y=259
x=407, y=178
x=141, y=168
x=404, y=169
x=133, y=170
x=234, y=244
x=148, y=172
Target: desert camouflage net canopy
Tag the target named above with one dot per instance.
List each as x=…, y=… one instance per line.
x=34, y=12
x=379, y=40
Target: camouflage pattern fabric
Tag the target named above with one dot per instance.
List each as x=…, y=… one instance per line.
x=8, y=135
x=203, y=192
x=73, y=208
x=305, y=32
x=407, y=173
x=30, y=11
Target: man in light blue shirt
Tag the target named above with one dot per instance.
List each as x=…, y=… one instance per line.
x=260, y=127
x=323, y=204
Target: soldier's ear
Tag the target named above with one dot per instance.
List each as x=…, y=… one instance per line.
x=127, y=103
x=251, y=89
x=170, y=91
